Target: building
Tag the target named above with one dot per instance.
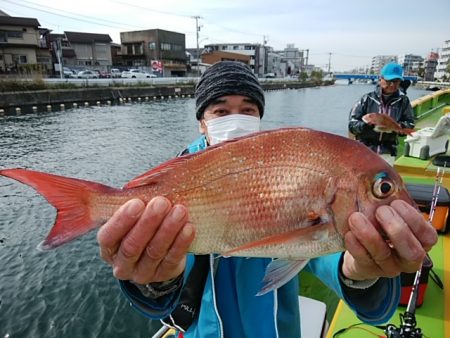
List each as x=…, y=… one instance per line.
x=256, y=52
x=212, y=56
x=442, y=71
x=411, y=63
x=157, y=50
x=91, y=49
x=379, y=61
x=78, y=51
x=430, y=64
x=24, y=46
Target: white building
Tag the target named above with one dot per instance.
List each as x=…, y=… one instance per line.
x=444, y=58
x=411, y=63
x=379, y=61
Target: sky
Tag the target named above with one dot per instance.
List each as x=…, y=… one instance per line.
x=344, y=34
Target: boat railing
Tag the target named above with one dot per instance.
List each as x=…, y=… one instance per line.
x=425, y=105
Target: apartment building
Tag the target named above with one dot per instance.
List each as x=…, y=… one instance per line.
x=411, y=63
x=443, y=62
x=379, y=61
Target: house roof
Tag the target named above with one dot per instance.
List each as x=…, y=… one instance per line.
x=87, y=37
x=19, y=21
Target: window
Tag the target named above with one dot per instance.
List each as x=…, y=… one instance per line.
x=152, y=45
x=165, y=46
x=22, y=59
x=176, y=47
x=15, y=34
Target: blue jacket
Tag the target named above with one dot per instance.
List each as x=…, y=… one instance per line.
x=229, y=307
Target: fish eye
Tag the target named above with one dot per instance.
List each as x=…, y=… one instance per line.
x=383, y=187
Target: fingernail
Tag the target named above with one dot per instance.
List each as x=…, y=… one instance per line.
x=385, y=213
x=178, y=213
x=160, y=205
x=187, y=231
x=134, y=208
x=357, y=221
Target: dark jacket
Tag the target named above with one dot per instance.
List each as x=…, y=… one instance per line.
x=397, y=106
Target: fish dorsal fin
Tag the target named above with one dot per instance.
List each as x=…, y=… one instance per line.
x=153, y=175
x=279, y=272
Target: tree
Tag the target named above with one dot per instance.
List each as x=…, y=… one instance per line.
x=303, y=76
x=317, y=75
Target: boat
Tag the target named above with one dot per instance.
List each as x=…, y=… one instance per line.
x=421, y=171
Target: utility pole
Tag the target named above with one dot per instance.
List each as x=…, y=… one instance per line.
x=197, y=29
x=58, y=45
x=329, y=64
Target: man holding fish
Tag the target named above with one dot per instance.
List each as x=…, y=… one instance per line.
x=221, y=295
x=380, y=116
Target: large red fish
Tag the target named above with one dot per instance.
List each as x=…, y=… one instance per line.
x=385, y=123
x=285, y=193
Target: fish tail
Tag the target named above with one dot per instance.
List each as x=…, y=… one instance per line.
x=71, y=197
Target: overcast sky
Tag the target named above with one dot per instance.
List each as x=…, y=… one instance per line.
x=353, y=31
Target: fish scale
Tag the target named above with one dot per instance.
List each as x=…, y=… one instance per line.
x=284, y=193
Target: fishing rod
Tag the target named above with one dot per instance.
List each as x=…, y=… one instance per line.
x=408, y=324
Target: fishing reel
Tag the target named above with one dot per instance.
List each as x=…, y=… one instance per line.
x=407, y=329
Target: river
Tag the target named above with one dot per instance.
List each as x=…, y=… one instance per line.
x=70, y=292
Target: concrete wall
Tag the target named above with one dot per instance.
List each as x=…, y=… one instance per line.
x=42, y=98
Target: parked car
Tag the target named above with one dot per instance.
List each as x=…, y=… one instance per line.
x=67, y=72
x=102, y=74
x=269, y=75
x=115, y=73
x=87, y=74
x=136, y=74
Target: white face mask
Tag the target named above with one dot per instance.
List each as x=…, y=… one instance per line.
x=230, y=126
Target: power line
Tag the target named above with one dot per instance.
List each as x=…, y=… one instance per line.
x=79, y=17
x=152, y=10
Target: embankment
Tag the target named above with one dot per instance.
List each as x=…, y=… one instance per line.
x=12, y=103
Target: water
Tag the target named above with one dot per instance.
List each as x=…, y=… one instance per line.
x=70, y=292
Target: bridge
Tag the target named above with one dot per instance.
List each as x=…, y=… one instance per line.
x=372, y=77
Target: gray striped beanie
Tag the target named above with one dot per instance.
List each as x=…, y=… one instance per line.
x=227, y=78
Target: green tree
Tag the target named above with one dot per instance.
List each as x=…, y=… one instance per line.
x=421, y=72
x=317, y=75
x=303, y=76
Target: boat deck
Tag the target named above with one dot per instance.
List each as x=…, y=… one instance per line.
x=433, y=317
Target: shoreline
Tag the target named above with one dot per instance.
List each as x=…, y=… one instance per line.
x=32, y=101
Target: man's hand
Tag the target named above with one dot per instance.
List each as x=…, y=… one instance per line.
x=146, y=243
x=406, y=240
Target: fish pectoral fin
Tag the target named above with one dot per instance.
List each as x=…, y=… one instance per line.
x=285, y=237
x=279, y=272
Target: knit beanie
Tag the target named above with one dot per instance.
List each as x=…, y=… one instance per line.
x=227, y=78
